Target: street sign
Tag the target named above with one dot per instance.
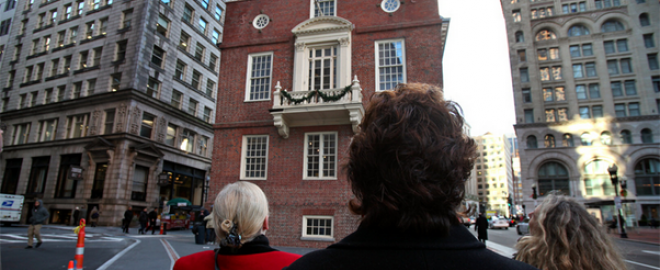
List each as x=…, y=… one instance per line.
x=617, y=202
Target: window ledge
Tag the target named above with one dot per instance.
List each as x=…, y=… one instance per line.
x=66, y=74
x=20, y=36
x=321, y=239
x=92, y=38
x=189, y=86
x=13, y=62
x=69, y=19
x=8, y=88
x=48, y=3
x=36, y=55
x=124, y=30
x=43, y=28
x=197, y=61
x=99, y=9
x=27, y=11
x=63, y=47
x=30, y=83
x=319, y=179
x=118, y=62
x=82, y=70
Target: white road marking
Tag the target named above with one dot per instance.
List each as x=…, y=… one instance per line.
x=641, y=264
x=652, y=252
x=174, y=256
x=119, y=255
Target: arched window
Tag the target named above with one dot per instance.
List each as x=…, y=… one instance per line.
x=531, y=142
x=612, y=26
x=606, y=138
x=647, y=136
x=597, y=179
x=647, y=177
x=586, y=139
x=520, y=38
x=549, y=141
x=567, y=140
x=578, y=30
x=553, y=177
x=545, y=35
x=626, y=137
x=644, y=19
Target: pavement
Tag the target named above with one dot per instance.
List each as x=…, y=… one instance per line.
x=646, y=235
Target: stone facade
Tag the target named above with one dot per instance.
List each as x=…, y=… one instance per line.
x=108, y=99
x=586, y=86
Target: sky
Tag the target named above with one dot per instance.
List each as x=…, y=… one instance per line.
x=476, y=67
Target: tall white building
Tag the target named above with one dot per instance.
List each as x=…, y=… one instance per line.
x=494, y=173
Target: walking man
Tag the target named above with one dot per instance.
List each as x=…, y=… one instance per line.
x=128, y=217
x=481, y=226
x=144, y=218
x=39, y=216
x=153, y=215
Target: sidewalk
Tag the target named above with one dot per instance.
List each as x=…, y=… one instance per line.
x=642, y=234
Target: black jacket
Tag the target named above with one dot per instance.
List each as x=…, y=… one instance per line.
x=369, y=248
x=144, y=217
x=153, y=215
x=128, y=216
x=39, y=214
x=481, y=225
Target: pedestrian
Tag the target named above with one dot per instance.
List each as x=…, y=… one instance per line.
x=128, y=217
x=144, y=219
x=76, y=216
x=210, y=228
x=94, y=216
x=563, y=236
x=407, y=168
x=481, y=226
x=153, y=216
x=39, y=216
x=241, y=220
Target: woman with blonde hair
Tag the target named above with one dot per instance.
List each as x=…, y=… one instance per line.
x=563, y=235
x=241, y=219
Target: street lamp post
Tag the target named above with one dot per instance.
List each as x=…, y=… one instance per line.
x=534, y=195
x=617, y=200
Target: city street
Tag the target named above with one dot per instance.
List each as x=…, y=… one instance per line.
x=107, y=248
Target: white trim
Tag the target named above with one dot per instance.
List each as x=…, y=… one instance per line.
x=382, y=6
x=244, y=154
x=305, y=177
x=249, y=72
x=256, y=19
x=305, y=236
x=377, y=72
x=312, y=7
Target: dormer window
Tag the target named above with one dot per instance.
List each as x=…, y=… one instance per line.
x=323, y=8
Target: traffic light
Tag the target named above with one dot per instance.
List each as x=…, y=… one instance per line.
x=509, y=201
x=534, y=196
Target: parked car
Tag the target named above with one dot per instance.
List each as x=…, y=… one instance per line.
x=500, y=223
x=522, y=228
x=467, y=221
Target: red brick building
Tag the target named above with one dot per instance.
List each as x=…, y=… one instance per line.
x=295, y=75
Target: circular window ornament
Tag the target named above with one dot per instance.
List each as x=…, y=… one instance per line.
x=261, y=21
x=390, y=6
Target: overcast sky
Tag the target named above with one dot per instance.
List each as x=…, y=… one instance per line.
x=476, y=67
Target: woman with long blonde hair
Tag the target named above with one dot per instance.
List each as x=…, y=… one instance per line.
x=563, y=236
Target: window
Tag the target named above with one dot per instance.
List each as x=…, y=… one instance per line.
x=11, y=4
x=196, y=79
x=254, y=157
x=594, y=91
x=77, y=126
x=529, y=116
x=180, y=70
x=586, y=139
x=210, y=88
x=647, y=177
x=81, y=8
x=653, y=61
x=323, y=68
x=578, y=30
x=202, y=26
x=167, y=2
x=192, y=107
x=48, y=95
x=655, y=80
x=170, y=137
x=590, y=69
x=259, y=72
x=184, y=41
x=188, y=12
x=218, y=13
x=553, y=177
x=617, y=90
x=39, y=72
x=516, y=15
x=320, y=156
x=524, y=75
x=626, y=137
x=77, y=90
x=606, y=138
x=631, y=90
x=176, y=99
x=68, y=10
x=597, y=178
x=612, y=26
x=215, y=36
x=11, y=176
x=597, y=111
x=207, y=114
x=147, y=125
x=47, y=130
x=554, y=94
x=21, y=134
x=551, y=74
x=140, y=179
x=527, y=95
x=157, y=56
x=612, y=67
x=199, y=52
x=648, y=41
x=83, y=60
x=548, y=54
x=96, y=60
x=620, y=110
x=73, y=35
x=521, y=56
x=89, y=32
x=61, y=38
x=121, y=50
x=213, y=61
x=109, y=121
x=103, y=26
x=318, y=226
x=28, y=74
x=38, y=175
x=520, y=38
x=60, y=93
x=12, y=75
x=127, y=17
x=626, y=67
x=577, y=71
x=324, y=8
x=531, y=142
x=17, y=52
x=542, y=12
x=567, y=140
x=549, y=141
x=91, y=86
x=545, y=35
x=153, y=87
x=644, y=19
x=4, y=27
x=585, y=112
x=115, y=82
x=633, y=109
x=204, y=3
x=187, y=140
x=562, y=114
x=163, y=25
x=202, y=145
x=575, y=51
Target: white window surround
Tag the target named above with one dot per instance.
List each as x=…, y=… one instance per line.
x=244, y=156
x=322, y=32
x=248, y=76
x=261, y=21
x=390, y=6
x=321, y=154
x=312, y=8
x=315, y=237
x=377, y=62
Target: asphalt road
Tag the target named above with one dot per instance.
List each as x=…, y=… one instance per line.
x=638, y=256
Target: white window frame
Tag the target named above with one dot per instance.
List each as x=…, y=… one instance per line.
x=306, y=236
x=248, y=79
x=321, y=176
x=376, y=60
x=70, y=126
x=21, y=128
x=43, y=127
x=244, y=157
x=312, y=8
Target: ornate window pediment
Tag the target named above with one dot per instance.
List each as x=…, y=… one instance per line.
x=323, y=25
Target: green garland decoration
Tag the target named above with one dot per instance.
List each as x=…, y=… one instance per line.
x=314, y=93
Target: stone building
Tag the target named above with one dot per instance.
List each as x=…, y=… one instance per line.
x=109, y=103
x=586, y=85
x=295, y=77
x=494, y=173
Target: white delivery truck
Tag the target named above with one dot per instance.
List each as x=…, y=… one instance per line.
x=11, y=207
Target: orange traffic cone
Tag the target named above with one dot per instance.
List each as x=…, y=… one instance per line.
x=70, y=265
x=80, y=247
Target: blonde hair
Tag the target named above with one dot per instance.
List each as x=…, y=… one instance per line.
x=242, y=204
x=563, y=235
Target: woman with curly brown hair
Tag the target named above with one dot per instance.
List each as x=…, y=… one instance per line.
x=563, y=236
x=407, y=168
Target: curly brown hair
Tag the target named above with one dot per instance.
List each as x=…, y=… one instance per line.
x=408, y=165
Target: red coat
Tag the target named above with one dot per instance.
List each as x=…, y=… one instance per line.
x=247, y=258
